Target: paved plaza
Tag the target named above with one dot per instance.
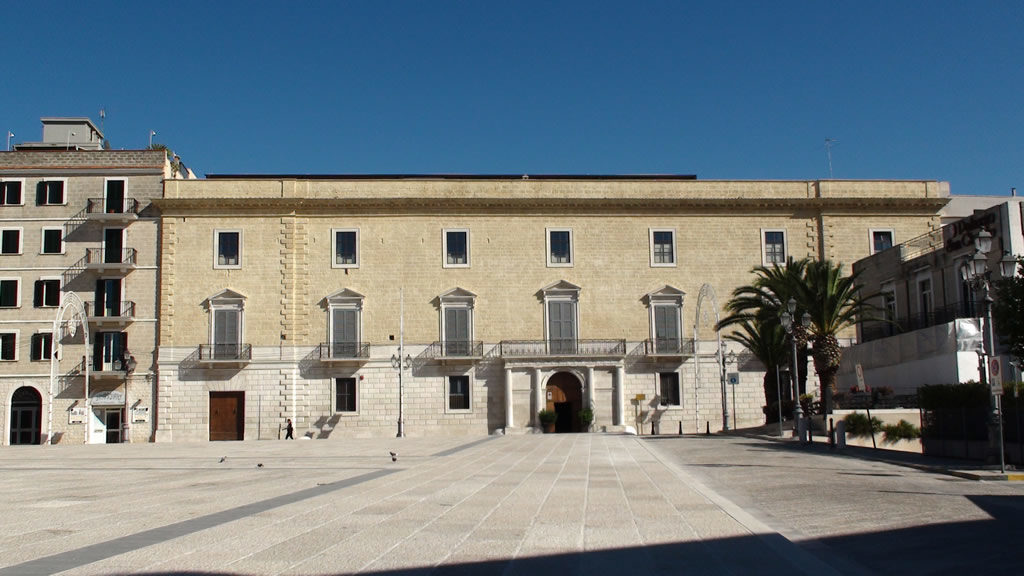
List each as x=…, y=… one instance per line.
x=587, y=504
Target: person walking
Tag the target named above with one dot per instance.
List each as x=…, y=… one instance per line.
x=288, y=430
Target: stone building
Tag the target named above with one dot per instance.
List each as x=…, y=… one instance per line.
x=366, y=305
x=78, y=275
x=932, y=317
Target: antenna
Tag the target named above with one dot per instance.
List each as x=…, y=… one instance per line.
x=9, y=136
x=828, y=152
x=151, y=134
x=103, y=116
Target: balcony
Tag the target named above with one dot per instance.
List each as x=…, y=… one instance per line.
x=565, y=349
x=102, y=316
x=102, y=210
x=455, y=351
x=224, y=355
x=106, y=261
x=668, y=348
x=877, y=329
x=115, y=370
x=344, y=352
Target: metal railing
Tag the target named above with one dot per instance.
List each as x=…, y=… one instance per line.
x=668, y=346
x=126, y=310
x=527, y=348
x=344, y=350
x=96, y=206
x=225, y=352
x=876, y=329
x=96, y=256
x=455, y=349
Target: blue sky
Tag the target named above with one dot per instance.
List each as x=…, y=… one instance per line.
x=723, y=90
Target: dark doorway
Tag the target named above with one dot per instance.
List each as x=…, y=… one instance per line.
x=115, y=197
x=26, y=410
x=565, y=397
x=113, y=245
x=227, y=415
x=113, y=423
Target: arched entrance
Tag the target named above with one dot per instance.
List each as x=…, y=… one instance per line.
x=565, y=397
x=26, y=415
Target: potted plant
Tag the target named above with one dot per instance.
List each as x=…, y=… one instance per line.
x=586, y=416
x=547, y=419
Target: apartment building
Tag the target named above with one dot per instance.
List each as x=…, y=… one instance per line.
x=417, y=305
x=78, y=286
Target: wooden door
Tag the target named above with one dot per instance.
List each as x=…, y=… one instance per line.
x=227, y=415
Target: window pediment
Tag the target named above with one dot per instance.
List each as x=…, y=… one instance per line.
x=226, y=297
x=343, y=297
x=665, y=295
x=456, y=297
x=562, y=288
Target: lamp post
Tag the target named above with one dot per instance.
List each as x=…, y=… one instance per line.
x=401, y=362
x=786, y=319
x=974, y=271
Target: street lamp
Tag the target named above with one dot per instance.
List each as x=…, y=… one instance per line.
x=400, y=364
x=787, y=324
x=974, y=271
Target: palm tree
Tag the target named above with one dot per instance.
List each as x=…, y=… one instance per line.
x=767, y=342
x=834, y=302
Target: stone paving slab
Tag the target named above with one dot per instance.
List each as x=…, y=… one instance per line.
x=580, y=504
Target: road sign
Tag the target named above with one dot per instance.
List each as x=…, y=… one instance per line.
x=995, y=375
x=734, y=378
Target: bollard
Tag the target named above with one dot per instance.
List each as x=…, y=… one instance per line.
x=652, y=428
x=831, y=434
x=680, y=427
x=707, y=429
x=841, y=434
x=802, y=429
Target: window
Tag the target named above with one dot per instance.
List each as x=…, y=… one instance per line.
x=42, y=346
x=9, y=290
x=345, y=246
x=663, y=247
x=110, y=351
x=50, y=192
x=228, y=248
x=53, y=241
x=666, y=329
x=113, y=199
x=457, y=322
x=668, y=384
x=560, y=301
x=924, y=290
x=456, y=248
x=344, y=319
x=773, y=246
x=10, y=241
x=8, y=345
x=10, y=192
x=344, y=394
x=226, y=326
x=344, y=332
x=458, y=392
x=559, y=247
x=46, y=293
x=880, y=240
x=889, y=308
x=666, y=308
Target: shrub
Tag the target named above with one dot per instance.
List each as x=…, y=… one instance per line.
x=857, y=424
x=902, y=431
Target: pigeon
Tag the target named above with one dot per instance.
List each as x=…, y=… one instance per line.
x=394, y=457
x=222, y=459
x=260, y=465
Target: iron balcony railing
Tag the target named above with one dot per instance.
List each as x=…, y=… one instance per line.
x=534, y=348
x=344, y=350
x=876, y=329
x=225, y=352
x=668, y=347
x=96, y=206
x=126, y=309
x=100, y=256
x=455, y=349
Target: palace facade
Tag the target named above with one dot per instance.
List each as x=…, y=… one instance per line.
x=378, y=305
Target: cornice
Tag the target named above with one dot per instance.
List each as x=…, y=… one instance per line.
x=431, y=205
